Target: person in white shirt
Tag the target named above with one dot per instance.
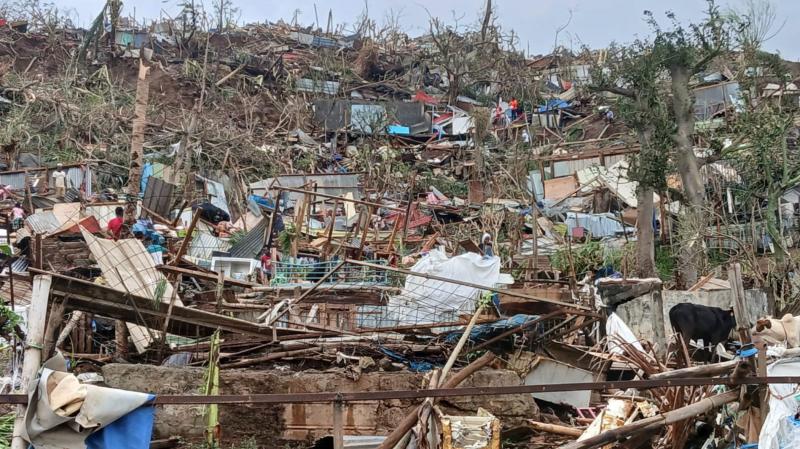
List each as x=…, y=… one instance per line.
x=60, y=180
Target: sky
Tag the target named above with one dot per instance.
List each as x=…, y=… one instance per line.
x=595, y=23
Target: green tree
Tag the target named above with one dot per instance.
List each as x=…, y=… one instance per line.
x=686, y=50
x=633, y=73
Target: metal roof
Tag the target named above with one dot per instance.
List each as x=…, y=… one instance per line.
x=43, y=222
x=203, y=245
x=252, y=243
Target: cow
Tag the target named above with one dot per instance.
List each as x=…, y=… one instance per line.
x=784, y=331
x=697, y=322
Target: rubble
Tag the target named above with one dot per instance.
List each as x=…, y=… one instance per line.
x=329, y=239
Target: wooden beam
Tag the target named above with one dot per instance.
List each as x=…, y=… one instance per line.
x=213, y=276
x=103, y=300
x=187, y=239
x=334, y=197
x=511, y=293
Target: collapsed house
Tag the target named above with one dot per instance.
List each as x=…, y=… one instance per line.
x=405, y=301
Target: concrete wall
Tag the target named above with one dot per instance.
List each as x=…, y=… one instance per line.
x=638, y=313
x=272, y=424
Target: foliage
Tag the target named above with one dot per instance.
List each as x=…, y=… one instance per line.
x=587, y=257
x=448, y=186
x=6, y=429
x=237, y=237
x=666, y=262
x=8, y=320
x=286, y=237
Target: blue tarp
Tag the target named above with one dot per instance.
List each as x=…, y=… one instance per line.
x=552, y=105
x=132, y=431
x=398, y=129
x=486, y=331
x=414, y=366
x=147, y=172
x=262, y=201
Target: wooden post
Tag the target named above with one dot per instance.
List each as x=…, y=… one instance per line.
x=364, y=231
x=220, y=285
x=137, y=143
x=556, y=429
x=37, y=314
x=54, y=320
x=658, y=323
x=187, y=239
x=408, y=208
x=737, y=290
x=338, y=427
x=329, y=233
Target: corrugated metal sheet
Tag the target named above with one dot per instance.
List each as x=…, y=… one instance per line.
x=43, y=222
x=16, y=180
x=104, y=212
x=158, y=196
x=317, y=86
x=76, y=177
x=330, y=184
x=203, y=245
x=128, y=267
x=252, y=243
x=566, y=168
x=20, y=265
x=216, y=192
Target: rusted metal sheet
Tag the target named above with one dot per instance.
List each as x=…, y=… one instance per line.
x=158, y=196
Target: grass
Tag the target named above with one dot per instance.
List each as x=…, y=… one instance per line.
x=7, y=430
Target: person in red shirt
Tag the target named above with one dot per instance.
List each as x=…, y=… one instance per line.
x=115, y=224
x=266, y=267
x=514, y=105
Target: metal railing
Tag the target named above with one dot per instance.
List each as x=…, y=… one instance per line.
x=299, y=272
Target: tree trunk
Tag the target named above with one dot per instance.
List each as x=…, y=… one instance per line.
x=487, y=20
x=645, y=251
x=693, y=190
x=773, y=225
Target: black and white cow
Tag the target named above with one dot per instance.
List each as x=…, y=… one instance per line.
x=697, y=322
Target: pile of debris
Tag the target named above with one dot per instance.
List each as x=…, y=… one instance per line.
x=365, y=240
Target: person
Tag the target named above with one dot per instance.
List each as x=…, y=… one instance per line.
x=266, y=266
x=17, y=215
x=224, y=229
x=609, y=116
x=115, y=224
x=514, y=105
x=486, y=245
x=60, y=180
x=156, y=251
x=5, y=192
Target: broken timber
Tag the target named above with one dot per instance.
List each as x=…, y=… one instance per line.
x=574, y=308
x=93, y=298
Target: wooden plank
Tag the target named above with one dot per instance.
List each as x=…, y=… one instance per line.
x=560, y=188
x=102, y=300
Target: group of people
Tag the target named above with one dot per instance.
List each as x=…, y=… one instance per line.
x=142, y=230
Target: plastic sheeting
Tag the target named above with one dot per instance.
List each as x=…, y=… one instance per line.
x=65, y=414
x=430, y=301
x=780, y=430
x=617, y=328
x=482, y=332
x=599, y=225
